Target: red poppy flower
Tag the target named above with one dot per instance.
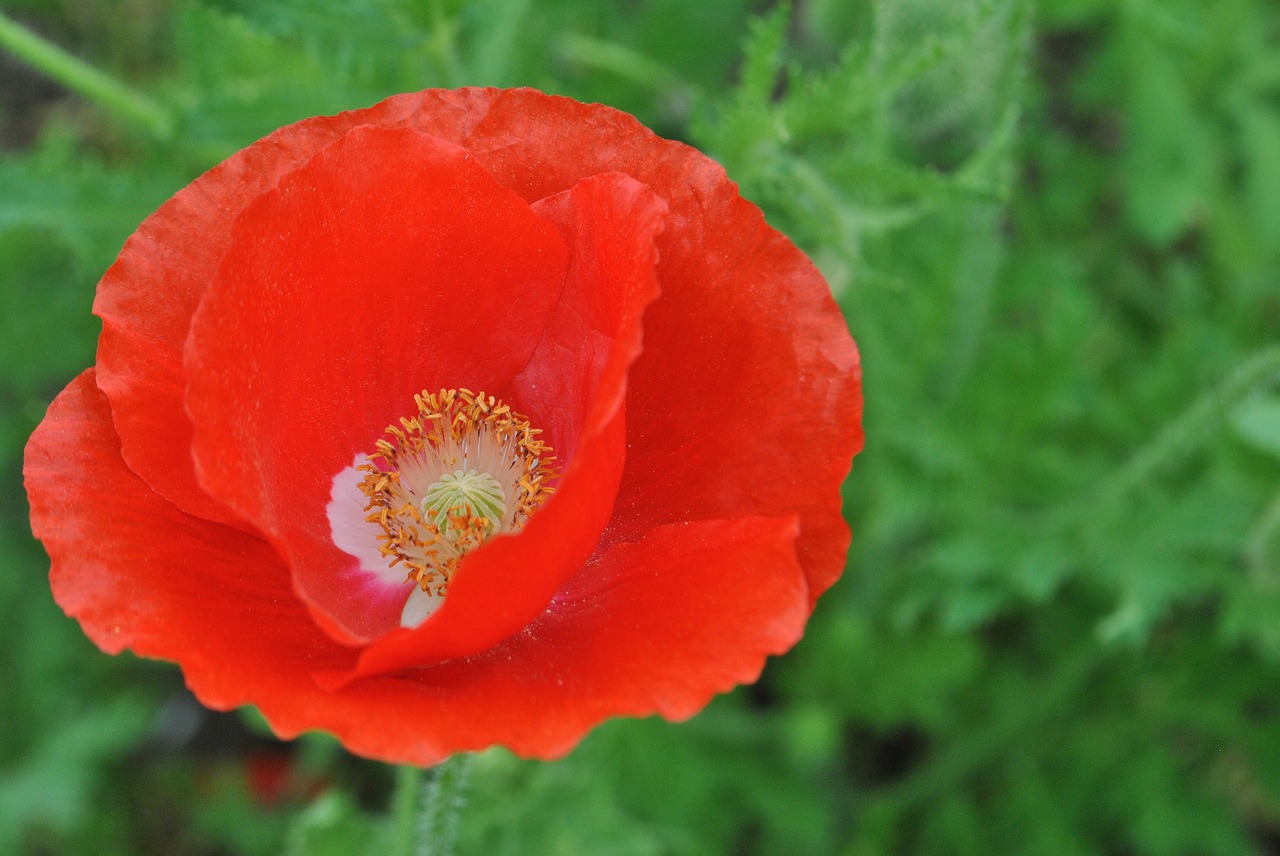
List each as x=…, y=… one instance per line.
x=621, y=409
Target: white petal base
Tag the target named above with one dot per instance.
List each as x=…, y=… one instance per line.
x=418, y=607
x=356, y=537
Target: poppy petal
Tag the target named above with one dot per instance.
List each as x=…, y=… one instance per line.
x=147, y=297
x=769, y=421
x=715, y=597
x=575, y=379
x=761, y=412
x=388, y=264
x=139, y=573
x=704, y=604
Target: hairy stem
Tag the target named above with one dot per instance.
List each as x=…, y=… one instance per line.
x=441, y=807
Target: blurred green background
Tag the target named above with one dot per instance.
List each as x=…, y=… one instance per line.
x=1055, y=230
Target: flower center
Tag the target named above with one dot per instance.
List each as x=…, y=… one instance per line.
x=463, y=469
x=476, y=493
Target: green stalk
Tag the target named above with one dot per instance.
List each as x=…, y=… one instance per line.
x=84, y=79
x=603, y=55
x=1183, y=434
x=441, y=806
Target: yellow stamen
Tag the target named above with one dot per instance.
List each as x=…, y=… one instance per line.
x=466, y=467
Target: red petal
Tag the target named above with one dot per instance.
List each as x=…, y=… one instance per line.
x=389, y=264
x=577, y=374
x=748, y=397
x=770, y=415
x=146, y=300
x=690, y=611
x=668, y=622
x=539, y=145
x=139, y=573
x=573, y=385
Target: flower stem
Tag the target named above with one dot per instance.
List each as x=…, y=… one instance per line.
x=441, y=806
x=88, y=81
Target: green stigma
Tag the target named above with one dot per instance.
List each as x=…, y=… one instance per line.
x=473, y=493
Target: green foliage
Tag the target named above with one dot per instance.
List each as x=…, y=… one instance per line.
x=1258, y=421
x=1055, y=231
x=332, y=826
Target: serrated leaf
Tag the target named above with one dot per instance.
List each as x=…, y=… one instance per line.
x=762, y=55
